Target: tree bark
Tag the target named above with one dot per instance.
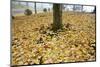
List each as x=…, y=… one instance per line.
x=57, y=17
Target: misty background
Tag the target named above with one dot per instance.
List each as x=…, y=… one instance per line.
x=19, y=7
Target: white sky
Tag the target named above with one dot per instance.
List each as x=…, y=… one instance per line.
x=86, y=2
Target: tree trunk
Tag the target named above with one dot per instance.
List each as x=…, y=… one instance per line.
x=35, y=8
x=57, y=17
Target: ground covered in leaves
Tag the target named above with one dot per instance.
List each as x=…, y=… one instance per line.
x=33, y=41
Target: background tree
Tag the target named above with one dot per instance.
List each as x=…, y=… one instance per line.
x=94, y=11
x=57, y=17
x=19, y=3
x=49, y=9
x=81, y=8
x=78, y=8
x=63, y=8
x=35, y=7
x=27, y=11
x=44, y=10
x=27, y=4
x=74, y=7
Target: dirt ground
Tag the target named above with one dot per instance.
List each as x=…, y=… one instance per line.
x=33, y=41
